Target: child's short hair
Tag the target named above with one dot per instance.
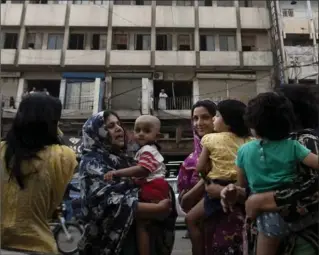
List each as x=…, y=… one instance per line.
x=233, y=112
x=271, y=115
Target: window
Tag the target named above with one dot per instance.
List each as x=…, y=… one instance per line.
x=164, y=3
x=142, y=42
x=39, y=1
x=76, y=42
x=163, y=42
x=99, y=42
x=227, y=43
x=225, y=3
x=143, y=2
x=248, y=42
x=120, y=42
x=245, y=3
x=184, y=3
x=205, y=3
x=122, y=2
x=55, y=41
x=10, y=41
x=207, y=42
x=184, y=42
x=79, y=95
x=17, y=1
x=288, y=12
x=34, y=41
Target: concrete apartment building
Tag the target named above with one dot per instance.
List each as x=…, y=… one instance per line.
x=299, y=25
x=119, y=54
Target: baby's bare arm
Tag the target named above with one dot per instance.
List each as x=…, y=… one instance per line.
x=134, y=171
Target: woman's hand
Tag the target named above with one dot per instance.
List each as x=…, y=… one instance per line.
x=228, y=196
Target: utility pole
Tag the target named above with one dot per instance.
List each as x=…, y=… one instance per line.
x=1, y=109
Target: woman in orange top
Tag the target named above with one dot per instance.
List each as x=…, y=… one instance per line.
x=35, y=171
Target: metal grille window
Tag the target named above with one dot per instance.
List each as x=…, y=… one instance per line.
x=288, y=12
x=227, y=43
x=225, y=3
x=120, y=42
x=55, y=41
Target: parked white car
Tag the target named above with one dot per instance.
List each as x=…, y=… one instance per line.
x=181, y=214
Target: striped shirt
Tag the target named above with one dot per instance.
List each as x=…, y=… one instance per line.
x=150, y=158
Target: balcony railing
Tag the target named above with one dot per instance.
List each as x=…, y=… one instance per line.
x=79, y=103
x=175, y=103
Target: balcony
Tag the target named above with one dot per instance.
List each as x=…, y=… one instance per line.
x=175, y=58
x=219, y=58
x=7, y=56
x=258, y=58
x=296, y=25
x=175, y=103
x=45, y=15
x=40, y=57
x=303, y=53
x=172, y=16
x=130, y=58
x=217, y=17
x=177, y=107
x=81, y=15
x=131, y=16
x=85, y=58
x=11, y=14
x=254, y=18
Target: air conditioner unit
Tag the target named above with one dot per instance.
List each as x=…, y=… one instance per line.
x=158, y=76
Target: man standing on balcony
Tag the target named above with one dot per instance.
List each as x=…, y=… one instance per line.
x=162, y=100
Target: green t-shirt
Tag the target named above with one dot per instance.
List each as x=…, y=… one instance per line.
x=270, y=164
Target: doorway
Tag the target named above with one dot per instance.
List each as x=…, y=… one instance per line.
x=53, y=86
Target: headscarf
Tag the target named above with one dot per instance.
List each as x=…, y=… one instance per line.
x=108, y=207
x=187, y=175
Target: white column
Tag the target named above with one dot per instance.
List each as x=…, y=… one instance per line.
x=195, y=90
x=96, y=101
x=62, y=91
x=151, y=94
x=20, y=91
x=145, y=96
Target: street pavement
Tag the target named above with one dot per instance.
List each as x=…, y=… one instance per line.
x=182, y=246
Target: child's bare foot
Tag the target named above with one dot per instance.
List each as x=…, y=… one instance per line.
x=165, y=206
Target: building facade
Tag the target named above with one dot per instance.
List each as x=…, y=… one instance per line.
x=120, y=54
x=299, y=25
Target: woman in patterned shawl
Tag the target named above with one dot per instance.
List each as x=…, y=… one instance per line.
x=299, y=202
x=109, y=208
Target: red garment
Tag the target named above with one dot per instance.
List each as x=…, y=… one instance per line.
x=154, y=191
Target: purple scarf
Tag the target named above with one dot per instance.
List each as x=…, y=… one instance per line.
x=187, y=176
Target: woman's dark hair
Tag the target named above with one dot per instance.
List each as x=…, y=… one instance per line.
x=304, y=103
x=106, y=115
x=271, y=115
x=209, y=105
x=33, y=128
x=233, y=112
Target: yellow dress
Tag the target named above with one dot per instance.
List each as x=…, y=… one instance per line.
x=223, y=149
x=25, y=213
